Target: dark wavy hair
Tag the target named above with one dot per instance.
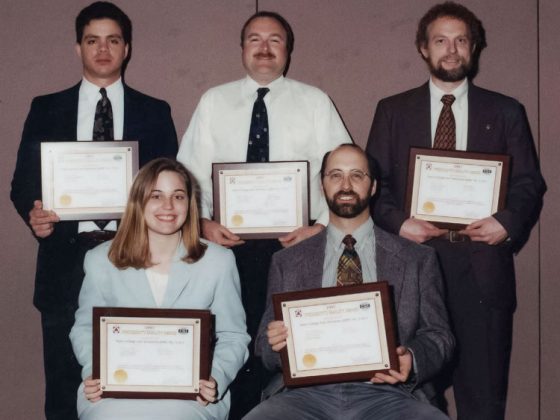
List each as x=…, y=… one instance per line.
x=104, y=10
x=457, y=11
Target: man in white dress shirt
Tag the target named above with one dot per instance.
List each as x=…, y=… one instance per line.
x=303, y=124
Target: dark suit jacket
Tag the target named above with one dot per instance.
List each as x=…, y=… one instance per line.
x=54, y=117
x=413, y=274
x=496, y=124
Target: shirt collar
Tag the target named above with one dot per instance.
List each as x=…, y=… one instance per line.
x=91, y=91
x=361, y=234
x=250, y=86
x=460, y=92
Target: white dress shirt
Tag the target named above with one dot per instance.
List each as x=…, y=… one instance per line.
x=303, y=125
x=88, y=97
x=460, y=110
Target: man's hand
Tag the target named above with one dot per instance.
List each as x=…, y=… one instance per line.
x=219, y=234
x=92, y=389
x=394, y=377
x=277, y=334
x=419, y=231
x=42, y=221
x=487, y=230
x=300, y=234
x=207, y=391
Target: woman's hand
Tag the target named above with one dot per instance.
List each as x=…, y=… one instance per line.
x=207, y=391
x=92, y=389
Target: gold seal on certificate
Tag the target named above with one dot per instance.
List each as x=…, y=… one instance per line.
x=120, y=376
x=237, y=220
x=86, y=180
x=336, y=334
x=151, y=353
x=261, y=200
x=452, y=188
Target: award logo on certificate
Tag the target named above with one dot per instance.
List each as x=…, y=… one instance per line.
x=452, y=189
x=261, y=200
x=336, y=334
x=151, y=353
x=87, y=180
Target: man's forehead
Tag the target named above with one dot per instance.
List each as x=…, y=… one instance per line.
x=447, y=23
x=265, y=24
x=95, y=25
x=347, y=157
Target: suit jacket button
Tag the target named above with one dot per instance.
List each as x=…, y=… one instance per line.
x=72, y=240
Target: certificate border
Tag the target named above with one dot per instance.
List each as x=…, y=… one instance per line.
x=381, y=287
x=417, y=153
x=220, y=170
x=205, y=353
x=50, y=149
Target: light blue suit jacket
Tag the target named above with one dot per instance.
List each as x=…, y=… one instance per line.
x=210, y=283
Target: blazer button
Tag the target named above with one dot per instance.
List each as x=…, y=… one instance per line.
x=72, y=240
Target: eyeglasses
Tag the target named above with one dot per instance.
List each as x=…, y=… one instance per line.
x=356, y=176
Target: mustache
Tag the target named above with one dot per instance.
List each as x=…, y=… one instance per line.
x=350, y=192
x=264, y=55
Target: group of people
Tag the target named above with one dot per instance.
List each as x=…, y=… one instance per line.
x=454, y=291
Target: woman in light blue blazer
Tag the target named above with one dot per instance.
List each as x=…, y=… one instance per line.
x=157, y=260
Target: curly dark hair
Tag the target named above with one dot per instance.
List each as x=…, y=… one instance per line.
x=455, y=11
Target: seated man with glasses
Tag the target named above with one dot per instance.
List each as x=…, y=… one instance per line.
x=425, y=340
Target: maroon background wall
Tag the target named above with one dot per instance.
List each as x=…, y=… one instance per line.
x=356, y=51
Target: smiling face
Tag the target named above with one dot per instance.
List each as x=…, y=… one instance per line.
x=103, y=51
x=167, y=206
x=264, y=52
x=347, y=185
x=448, y=51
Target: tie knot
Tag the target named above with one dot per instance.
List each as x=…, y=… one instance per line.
x=448, y=100
x=103, y=92
x=261, y=92
x=349, y=242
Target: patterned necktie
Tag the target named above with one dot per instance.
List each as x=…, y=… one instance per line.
x=103, y=123
x=103, y=130
x=445, y=131
x=349, y=267
x=257, y=150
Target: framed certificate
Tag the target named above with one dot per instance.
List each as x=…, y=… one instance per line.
x=452, y=189
x=337, y=334
x=151, y=353
x=261, y=200
x=87, y=180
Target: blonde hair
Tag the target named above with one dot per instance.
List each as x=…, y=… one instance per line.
x=130, y=248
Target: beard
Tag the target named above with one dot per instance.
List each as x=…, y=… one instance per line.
x=454, y=75
x=347, y=210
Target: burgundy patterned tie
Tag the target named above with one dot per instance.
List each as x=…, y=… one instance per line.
x=445, y=131
x=349, y=270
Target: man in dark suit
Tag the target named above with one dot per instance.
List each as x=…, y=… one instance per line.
x=477, y=262
x=104, y=35
x=411, y=270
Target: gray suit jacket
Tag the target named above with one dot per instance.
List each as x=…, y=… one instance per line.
x=414, y=277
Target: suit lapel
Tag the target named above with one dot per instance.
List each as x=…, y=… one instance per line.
x=179, y=276
x=481, y=123
x=420, y=118
x=390, y=267
x=64, y=117
x=138, y=288
x=312, y=265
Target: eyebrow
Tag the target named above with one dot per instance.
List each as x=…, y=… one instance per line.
x=89, y=36
x=259, y=34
